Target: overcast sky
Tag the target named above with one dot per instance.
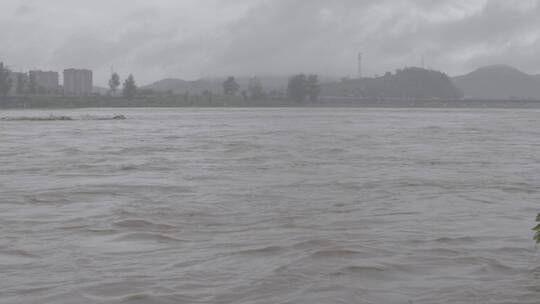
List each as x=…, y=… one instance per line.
x=188, y=39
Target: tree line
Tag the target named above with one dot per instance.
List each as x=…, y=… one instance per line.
x=5, y=80
x=299, y=88
x=129, y=89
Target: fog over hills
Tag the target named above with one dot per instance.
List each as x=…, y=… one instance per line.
x=215, y=84
x=499, y=82
x=180, y=86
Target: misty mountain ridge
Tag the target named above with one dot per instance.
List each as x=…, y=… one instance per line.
x=499, y=82
x=407, y=83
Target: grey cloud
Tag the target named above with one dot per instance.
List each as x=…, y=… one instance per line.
x=494, y=34
x=192, y=38
x=25, y=10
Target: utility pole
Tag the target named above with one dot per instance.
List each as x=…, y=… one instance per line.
x=360, y=76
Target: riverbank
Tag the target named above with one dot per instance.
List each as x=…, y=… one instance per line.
x=196, y=101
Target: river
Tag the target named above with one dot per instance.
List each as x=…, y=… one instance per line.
x=256, y=206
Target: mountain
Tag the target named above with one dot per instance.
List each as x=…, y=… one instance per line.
x=404, y=84
x=499, y=82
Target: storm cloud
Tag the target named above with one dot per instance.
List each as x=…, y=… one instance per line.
x=196, y=38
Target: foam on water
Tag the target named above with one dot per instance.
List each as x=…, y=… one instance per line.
x=269, y=206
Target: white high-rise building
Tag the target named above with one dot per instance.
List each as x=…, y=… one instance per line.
x=44, y=81
x=15, y=78
x=78, y=82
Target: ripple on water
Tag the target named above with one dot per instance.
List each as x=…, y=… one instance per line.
x=337, y=253
x=16, y=257
x=144, y=224
x=376, y=272
x=131, y=243
x=262, y=252
x=270, y=206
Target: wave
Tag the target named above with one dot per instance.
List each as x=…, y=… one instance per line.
x=271, y=250
x=116, y=117
x=147, y=237
x=374, y=272
x=314, y=243
x=43, y=118
x=60, y=118
x=15, y=257
x=18, y=252
x=456, y=240
x=128, y=168
x=157, y=299
x=142, y=224
x=336, y=253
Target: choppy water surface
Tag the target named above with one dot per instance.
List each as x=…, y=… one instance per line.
x=270, y=206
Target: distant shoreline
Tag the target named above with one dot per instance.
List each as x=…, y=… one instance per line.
x=53, y=102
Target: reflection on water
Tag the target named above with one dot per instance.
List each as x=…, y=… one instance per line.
x=270, y=206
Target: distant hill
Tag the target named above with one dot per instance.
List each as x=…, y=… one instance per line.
x=180, y=86
x=215, y=84
x=406, y=83
x=499, y=82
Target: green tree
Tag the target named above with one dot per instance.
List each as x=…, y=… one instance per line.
x=130, y=88
x=297, y=88
x=313, y=88
x=208, y=95
x=22, y=83
x=230, y=86
x=114, y=83
x=5, y=80
x=255, y=89
x=32, y=83
x=537, y=230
